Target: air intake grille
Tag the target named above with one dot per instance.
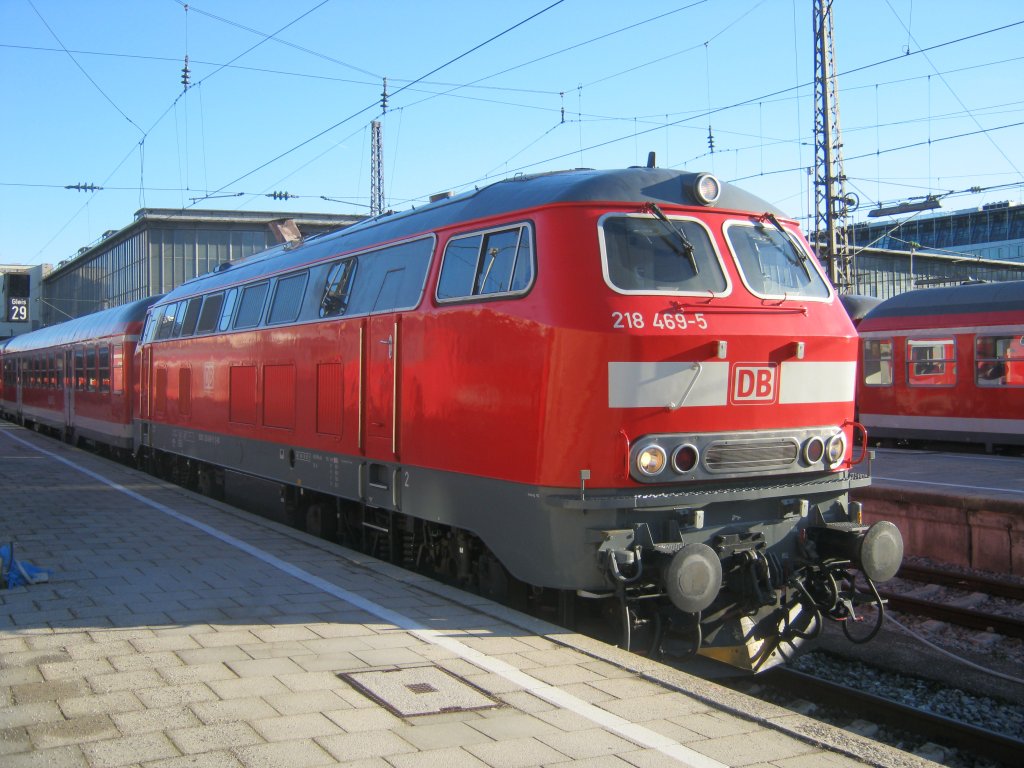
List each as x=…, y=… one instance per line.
x=751, y=455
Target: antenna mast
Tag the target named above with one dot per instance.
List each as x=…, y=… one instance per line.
x=831, y=203
x=377, y=159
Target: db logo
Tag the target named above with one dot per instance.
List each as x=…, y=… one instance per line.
x=754, y=383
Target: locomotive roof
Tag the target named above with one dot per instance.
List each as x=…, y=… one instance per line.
x=521, y=193
x=973, y=298
x=108, y=322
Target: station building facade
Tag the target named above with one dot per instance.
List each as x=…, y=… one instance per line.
x=20, y=286
x=936, y=249
x=163, y=248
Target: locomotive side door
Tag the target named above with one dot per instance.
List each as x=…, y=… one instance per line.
x=380, y=386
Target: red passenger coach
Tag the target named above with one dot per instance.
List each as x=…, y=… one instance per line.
x=635, y=386
x=946, y=364
x=75, y=379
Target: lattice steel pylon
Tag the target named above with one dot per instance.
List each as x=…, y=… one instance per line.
x=376, y=170
x=831, y=203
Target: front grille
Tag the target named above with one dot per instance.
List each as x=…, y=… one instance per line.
x=751, y=455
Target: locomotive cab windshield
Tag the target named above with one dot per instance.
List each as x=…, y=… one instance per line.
x=654, y=254
x=771, y=264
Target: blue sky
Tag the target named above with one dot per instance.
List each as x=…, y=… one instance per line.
x=282, y=95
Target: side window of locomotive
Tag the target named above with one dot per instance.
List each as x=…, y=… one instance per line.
x=166, y=325
x=229, y=306
x=191, y=316
x=644, y=254
x=287, y=300
x=487, y=264
x=210, y=312
x=773, y=264
x=391, y=279
x=999, y=361
x=179, y=319
x=250, y=306
x=878, y=362
x=338, y=288
x=152, y=323
x=458, y=268
x=931, y=362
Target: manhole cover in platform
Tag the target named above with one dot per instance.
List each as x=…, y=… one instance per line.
x=419, y=691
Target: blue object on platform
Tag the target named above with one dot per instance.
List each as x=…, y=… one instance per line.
x=17, y=573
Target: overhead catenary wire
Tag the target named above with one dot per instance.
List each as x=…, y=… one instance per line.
x=634, y=133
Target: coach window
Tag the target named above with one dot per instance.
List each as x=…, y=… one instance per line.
x=487, y=264
x=999, y=361
x=287, y=301
x=338, y=288
x=117, y=369
x=103, y=368
x=80, y=377
x=772, y=264
x=90, y=369
x=229, y=307
x=931, y=362
x=210, y=312
x=878, y=362
x=191, y=316
x=646, y=254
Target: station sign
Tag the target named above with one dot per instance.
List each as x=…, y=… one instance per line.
x=17, y=309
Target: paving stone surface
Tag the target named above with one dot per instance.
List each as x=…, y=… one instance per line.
x=176, y=632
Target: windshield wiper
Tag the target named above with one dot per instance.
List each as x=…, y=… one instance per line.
x=687, y=247
x=792, y=247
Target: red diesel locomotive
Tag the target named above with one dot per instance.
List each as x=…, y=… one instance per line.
x=946, y=365
x=634, y=386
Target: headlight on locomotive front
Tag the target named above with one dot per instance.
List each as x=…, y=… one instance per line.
x=651, y=460
x=813, y=451
x=685, y=458
x=835, y=449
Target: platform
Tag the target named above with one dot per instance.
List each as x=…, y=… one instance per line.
x=176, y=631
x=959, y=508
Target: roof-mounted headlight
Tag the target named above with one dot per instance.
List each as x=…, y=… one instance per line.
x=706, y=188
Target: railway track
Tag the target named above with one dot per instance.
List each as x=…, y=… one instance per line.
x=918, y=724
x=990, y=585
x=944, y=610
